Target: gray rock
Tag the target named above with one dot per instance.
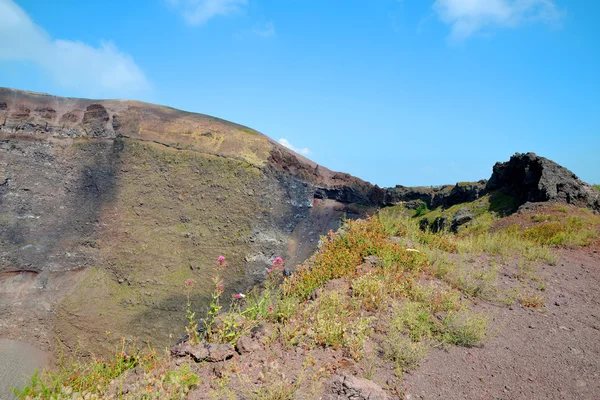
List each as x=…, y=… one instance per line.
x=220, y=352
x=199, y=353
x=247, y=344
x=461, y=217
x=348, y=387
x=181, y=350
x=373, y=261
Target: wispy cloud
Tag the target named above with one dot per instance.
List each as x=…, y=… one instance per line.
x=469, y=17
x=304, y=151
x=265, y=31
x=198, y=12
x=262, y=31
x=102, y=70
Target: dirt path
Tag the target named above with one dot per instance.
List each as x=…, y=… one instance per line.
x=548, y=354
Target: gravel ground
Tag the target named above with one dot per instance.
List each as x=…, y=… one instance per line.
x=553, y=353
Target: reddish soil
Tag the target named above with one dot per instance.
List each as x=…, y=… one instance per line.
x=551, y=353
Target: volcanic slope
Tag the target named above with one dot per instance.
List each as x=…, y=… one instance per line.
x=107, y=207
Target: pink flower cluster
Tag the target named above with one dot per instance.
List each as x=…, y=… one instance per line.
x=277, y=262
x=189, y=282
x=221, y=261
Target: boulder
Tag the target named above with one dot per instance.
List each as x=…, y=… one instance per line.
x=461, y=217
x=247, y=344
x=199, y=353
x=348, y=387
x=219, y=352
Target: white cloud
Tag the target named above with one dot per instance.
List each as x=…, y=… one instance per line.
x=286, y=143
x=100, y=70
x=468, y=17
x=197, y=12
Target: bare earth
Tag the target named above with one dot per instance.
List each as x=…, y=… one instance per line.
x=553, y=353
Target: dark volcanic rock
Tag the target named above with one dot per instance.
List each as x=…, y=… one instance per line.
x=95, y=119
x=531, y=178
x=462, y=192
x=444, y=196
x=462, y=217
x=439, y=225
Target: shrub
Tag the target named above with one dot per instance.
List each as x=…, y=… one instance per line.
x=464, y=328
x=370, y=291
x=421, y=210
x=341, y=253
x=403, y=351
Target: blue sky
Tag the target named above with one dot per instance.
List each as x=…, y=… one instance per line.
x=411, y=92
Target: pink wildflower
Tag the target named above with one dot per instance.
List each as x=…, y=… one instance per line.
x=278, y=262
x=269, y=271
x=221, y=261
x=239, y=296
x=220, y=287
x=270, y=309
x=189, y=282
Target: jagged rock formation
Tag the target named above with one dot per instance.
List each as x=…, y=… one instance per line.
x=442, y=196
x=531, y=178
x=527, y=177
x=116, y=202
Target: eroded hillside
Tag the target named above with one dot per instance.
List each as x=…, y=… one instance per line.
x=108, y=206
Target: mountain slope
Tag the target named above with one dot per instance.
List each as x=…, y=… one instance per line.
x=109, y=206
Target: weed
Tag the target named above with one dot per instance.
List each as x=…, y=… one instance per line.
x=463, y=328
x=531, y=300
x=92, y=377
x=355, y=337
x=421, y=210
x=192, y=327
x=341, y=253
x=369, y=290
x=414, y=319
x=405, y=353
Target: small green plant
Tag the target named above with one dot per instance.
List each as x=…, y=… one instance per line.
x=596, y=187
x=531, y=300
x=421, y=210
x=355, y=338
x=464, y=328
x=405, y=353
x=369, y=289
x=89, y=378
x=192, y=327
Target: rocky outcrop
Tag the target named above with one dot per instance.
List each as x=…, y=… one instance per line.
x=531, y=178
x=442, y=196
